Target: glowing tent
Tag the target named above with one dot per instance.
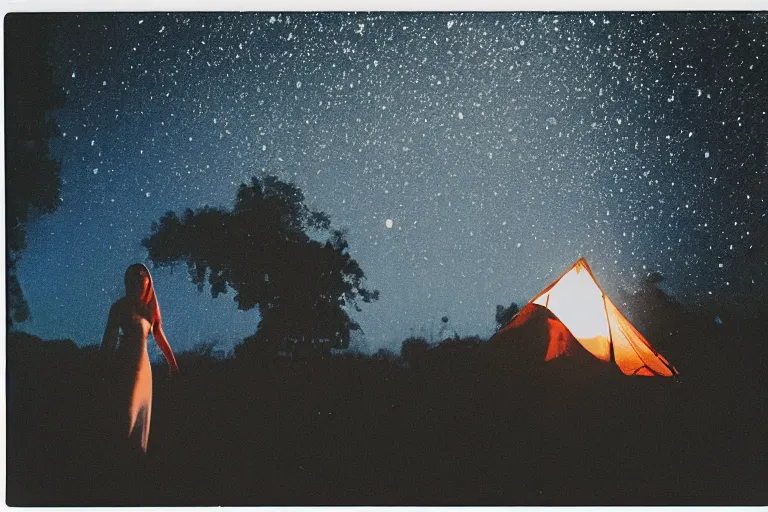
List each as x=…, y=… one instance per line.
x=579, y=320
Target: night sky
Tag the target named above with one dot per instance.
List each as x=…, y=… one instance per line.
x=501, y=146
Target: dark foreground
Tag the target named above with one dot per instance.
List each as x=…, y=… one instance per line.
x=457, y=427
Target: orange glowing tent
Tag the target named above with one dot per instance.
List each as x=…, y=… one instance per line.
x=580, y=321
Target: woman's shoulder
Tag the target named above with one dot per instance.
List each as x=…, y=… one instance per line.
x=118, y=305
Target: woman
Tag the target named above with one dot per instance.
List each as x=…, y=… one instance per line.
x=137, y=314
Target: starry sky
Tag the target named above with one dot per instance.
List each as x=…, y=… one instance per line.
x=502, y=146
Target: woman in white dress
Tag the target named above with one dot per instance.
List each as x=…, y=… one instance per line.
x=136, y=315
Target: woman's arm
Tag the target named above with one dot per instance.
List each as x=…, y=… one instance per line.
x=109, y=340
x=165, y=347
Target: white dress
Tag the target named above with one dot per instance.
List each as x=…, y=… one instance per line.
x=134, y=379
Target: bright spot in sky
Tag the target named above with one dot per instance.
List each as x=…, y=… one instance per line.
x=389, y=223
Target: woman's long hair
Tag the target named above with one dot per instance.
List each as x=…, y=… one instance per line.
x=141, y=293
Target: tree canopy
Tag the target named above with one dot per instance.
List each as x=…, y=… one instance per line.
x=262, y=249
x=505, y=315
x=32, y=180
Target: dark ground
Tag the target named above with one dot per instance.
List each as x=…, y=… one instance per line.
x=453, y=427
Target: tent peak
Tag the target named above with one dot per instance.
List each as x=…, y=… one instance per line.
x=581, y=261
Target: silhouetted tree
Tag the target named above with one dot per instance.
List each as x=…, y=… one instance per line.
x=456, y=349
x=32, y=181
x=505, y=315
x=662, y=319
x=413, y=349
x=263, y=250
x=385, y=354
x=443, y=327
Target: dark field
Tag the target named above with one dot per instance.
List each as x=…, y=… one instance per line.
x=458, y=424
